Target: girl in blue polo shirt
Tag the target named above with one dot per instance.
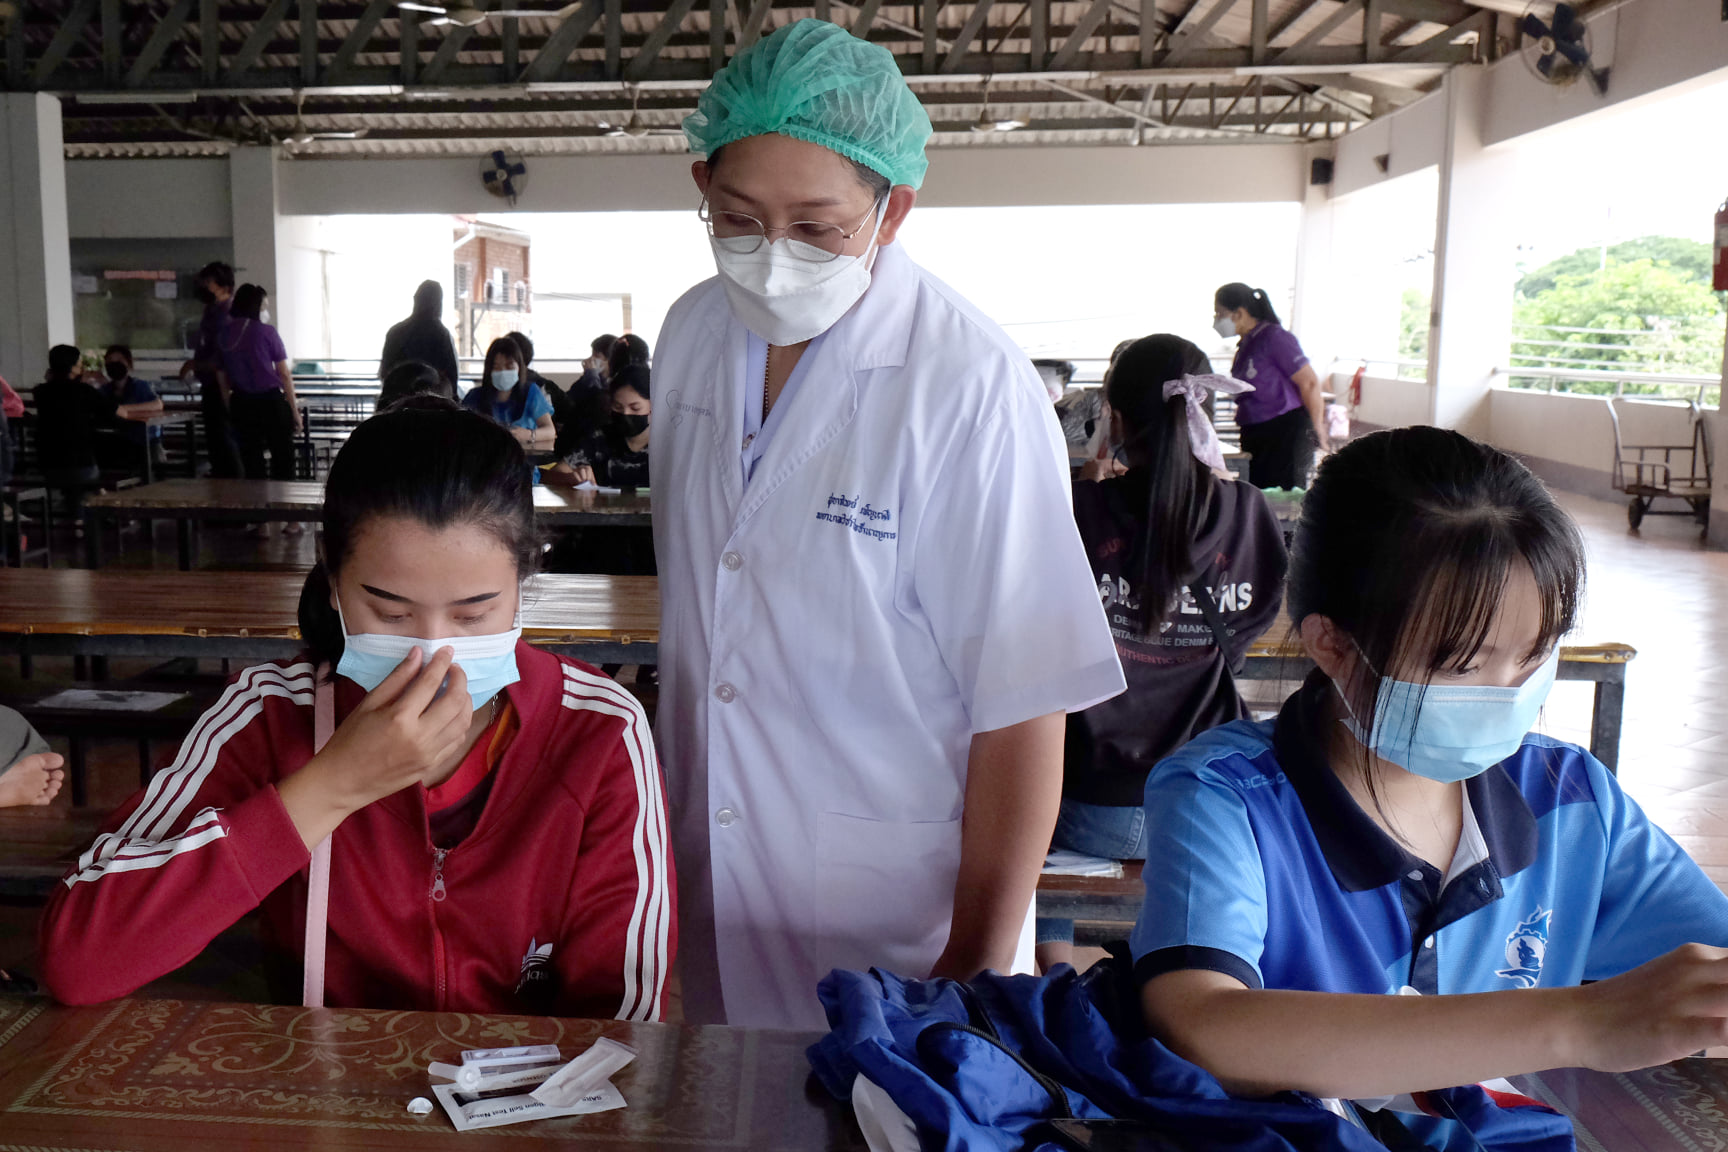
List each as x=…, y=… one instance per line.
x=1394, y=887
x=505, y=395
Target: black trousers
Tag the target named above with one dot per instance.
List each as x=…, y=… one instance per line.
x=1280, y=450
x=218, y=433
x=263, y=420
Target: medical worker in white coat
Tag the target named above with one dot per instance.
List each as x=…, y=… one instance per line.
x=876, y=608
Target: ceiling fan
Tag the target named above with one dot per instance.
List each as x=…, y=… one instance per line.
x=464, y=15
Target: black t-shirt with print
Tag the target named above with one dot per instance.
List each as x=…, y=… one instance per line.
x=1178, y=682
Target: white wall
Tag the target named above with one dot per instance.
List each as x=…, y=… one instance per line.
x=1651, y=46
x=148, y=198
x=1412, y=138
x=1387, y=402
x=958, y=178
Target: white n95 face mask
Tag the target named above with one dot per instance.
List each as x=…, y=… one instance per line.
x=1225, y=327
x=784, y=298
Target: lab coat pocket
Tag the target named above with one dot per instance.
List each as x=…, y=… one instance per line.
x=885, y=892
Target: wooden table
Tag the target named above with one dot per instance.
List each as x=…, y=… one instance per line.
x=191, y=502
x=166, y=1075
x=254, y=615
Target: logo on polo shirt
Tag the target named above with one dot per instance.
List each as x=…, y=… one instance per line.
x=1525, y=948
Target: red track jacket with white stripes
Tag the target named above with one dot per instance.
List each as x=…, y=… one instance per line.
x=570, y=850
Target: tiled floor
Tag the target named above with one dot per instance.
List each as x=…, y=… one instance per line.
x=1661, y=592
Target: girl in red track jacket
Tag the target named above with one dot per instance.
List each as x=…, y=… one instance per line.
x=500, y=850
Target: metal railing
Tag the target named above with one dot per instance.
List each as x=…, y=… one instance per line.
x=1705, y=391
x=1396, y=368
x=1682, y=345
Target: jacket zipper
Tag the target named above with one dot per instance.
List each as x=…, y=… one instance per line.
x=437, y=897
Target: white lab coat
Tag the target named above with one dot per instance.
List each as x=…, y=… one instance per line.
x=902, y=572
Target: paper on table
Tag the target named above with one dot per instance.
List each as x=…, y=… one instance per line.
x=111, y=701
x=585, y=1074
x=1061, y=862
x=470, y=1112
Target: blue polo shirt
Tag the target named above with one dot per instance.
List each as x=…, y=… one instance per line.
x=523, y=408
x=1263, y=867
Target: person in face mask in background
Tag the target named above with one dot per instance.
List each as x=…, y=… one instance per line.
x=487, y=802
x=507, y=397
x=1283, y=421
x=876, y=608
x=1399, y=828
x=615, y=456
x=136, y=395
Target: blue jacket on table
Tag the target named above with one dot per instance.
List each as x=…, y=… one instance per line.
x=984, y=1066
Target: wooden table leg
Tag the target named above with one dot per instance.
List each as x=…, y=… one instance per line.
x=1605, y=718
x=80, y=773
x=92, y=537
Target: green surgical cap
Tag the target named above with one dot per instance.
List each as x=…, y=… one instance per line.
x=815, y=81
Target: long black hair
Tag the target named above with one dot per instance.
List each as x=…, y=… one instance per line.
x=1251, y=300
x=1161, y=457
x=1407, y=540
x=426, y=460
x=248, y=302
x=504, y=346
x=628, y=349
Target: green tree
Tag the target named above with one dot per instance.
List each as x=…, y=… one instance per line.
x=1689, y=258
x=1413, y=326
x=1643, y=315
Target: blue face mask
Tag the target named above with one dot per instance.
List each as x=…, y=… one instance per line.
x=504, y=379
x=1451, y=732
x=489, y=662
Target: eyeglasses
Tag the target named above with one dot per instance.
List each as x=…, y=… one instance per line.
x=816, y=241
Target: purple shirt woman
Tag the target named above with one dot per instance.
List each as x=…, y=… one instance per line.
x=259, y=389
x=1283, y=421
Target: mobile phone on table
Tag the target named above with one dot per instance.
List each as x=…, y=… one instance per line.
x=1112, y=1136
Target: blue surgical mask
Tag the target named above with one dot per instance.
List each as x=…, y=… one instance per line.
x=489, y=662
x=504, y=379
x=1451, y=732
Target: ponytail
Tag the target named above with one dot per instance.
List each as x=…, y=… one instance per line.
x=1251, y=300
x=1161, y=455
x=320, y=627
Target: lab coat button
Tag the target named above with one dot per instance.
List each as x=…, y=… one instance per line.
x=1428, y=943
x=725, y=693
x=725, y=817
x=732, y=561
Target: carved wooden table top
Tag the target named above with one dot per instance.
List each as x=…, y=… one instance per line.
x=160, y=1075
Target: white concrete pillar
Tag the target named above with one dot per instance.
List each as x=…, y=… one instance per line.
x=1716, y=427
x=1314, y=313
x=253, y=184
x=35, y=249
x=1470, y=327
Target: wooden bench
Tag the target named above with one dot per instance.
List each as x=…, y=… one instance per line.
x=15, y=497
x=133, y=717
x=1102, y=908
